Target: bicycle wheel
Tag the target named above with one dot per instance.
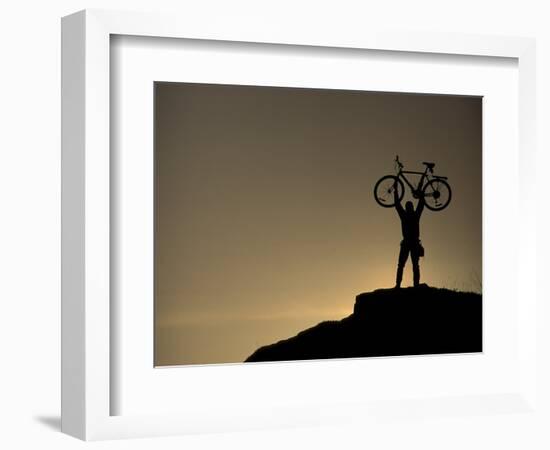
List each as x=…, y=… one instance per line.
x=437, y=194
x=383, y=191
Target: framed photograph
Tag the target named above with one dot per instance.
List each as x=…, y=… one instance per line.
x=267, y=227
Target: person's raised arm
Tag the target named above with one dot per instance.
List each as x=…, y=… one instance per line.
x=398, y=205
x=420, y=206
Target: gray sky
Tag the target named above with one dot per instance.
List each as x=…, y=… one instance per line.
x=265, y=218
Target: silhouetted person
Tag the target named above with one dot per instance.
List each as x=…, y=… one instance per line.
x=410, y=227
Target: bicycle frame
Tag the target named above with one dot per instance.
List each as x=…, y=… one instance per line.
x=424, y=176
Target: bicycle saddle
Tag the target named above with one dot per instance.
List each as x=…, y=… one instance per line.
x=430, y=165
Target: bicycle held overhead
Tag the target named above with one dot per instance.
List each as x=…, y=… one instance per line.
x=433, y=188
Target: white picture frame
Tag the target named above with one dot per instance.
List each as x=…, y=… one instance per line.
x=87, y=353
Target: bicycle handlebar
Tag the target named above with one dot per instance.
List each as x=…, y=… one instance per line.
x=398, y=162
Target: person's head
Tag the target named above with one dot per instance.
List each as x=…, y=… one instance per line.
x=409, y=207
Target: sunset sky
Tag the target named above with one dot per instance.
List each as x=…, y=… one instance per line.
x=266, y=222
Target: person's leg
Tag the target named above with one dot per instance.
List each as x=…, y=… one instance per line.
x=415, y=259
x=403, y=254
